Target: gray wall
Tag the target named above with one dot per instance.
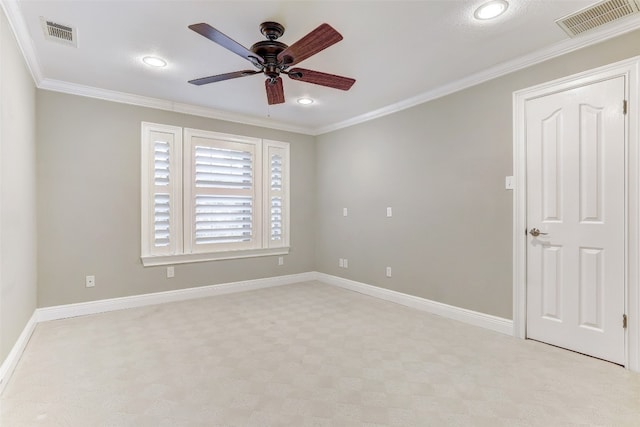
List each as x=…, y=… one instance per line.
x=441, y=166
x=17, y=191
x=444, y=164
x=88, y=158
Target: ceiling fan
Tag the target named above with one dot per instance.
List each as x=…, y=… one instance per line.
x=273, y=58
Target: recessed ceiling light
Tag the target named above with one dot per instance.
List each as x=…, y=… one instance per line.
x=491, y=9
x=305, y=101
x=154, y=61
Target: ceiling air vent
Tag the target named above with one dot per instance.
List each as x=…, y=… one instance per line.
x=59, y=32
x=597, y=15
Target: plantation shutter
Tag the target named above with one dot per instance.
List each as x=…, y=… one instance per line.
x=225, y=173
x=276, y=220
x=162, y=202
x=209, y=196
x=161, y=198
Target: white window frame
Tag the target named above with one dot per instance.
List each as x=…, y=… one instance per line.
x=182, y=249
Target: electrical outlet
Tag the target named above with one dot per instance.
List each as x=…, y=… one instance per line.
x=509, y=183
x=171, y=272
x=90, y=281
x=280, y=260
x=388, y=271
x=345, y=212
x=341, y=263
x=346, y=263
x=389, y=212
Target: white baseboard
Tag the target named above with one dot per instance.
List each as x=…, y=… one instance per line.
x=487, y=321
x=101, y=306
x=11, y=361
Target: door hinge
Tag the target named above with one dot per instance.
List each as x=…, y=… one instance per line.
x=624, y=321
x=624, y=107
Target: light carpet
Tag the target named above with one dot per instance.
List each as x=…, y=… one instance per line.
x=307, y=354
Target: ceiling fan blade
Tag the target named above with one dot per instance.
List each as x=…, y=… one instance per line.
x=275, y=92
x=322, y=79
x=314, y=42
x=221, y=77
x=225, y=41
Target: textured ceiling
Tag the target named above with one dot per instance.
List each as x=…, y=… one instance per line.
x=400, y=52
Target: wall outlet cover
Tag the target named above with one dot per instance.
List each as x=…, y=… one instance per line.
x=509, y=183
x=90, y=281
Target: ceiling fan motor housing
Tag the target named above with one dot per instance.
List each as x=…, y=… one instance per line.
x=269, y=50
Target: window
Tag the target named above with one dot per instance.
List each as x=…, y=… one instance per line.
x=208, y=196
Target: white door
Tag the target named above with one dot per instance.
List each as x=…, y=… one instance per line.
x=576, y=200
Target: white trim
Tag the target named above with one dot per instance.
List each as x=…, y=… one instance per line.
x=553, y=51
x=1, y=146
x=217, y=140
x=46, y=314
x=519, y=222
x=182, y=190
x=629, y=68
x=101, y=306
x=149, y=189
x=487, y=321
x=150, y=261
x=113, y=304
x=19, y=27
x=161, y=104
x=558, y=49
x=633, y=255
x=16, y=20
x=11, y=361
x=471, y=317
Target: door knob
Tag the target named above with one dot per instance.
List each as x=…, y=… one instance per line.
x=535, y=232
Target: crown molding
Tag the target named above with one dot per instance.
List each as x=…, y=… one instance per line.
x=19, y=27
x=553, y=51
x=162, y=104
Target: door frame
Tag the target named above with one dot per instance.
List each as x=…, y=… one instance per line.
x=630, y=69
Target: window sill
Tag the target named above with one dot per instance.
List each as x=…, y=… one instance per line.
x=150, y=261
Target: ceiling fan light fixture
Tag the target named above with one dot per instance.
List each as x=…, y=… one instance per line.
x=491, y=10
x=154, y=61
x=305, y=101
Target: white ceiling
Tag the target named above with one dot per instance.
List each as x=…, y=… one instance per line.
x=400, y=52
